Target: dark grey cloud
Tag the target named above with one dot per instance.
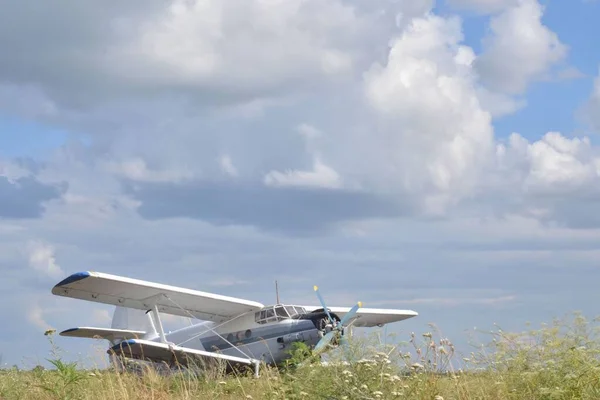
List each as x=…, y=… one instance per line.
x=287, y=209
x=62, y=47
x=24, y=197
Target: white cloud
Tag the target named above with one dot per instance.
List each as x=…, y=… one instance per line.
x=227, y=166
x=43, y=259
x=136, y=169
x=241, y=45
x=322, y=176
x=519, y=49
x=499, y=104
x=553, y=163
x=308, y=131
x=435, y=136
x=12, y=171
x=569, y=73
x=35, y=315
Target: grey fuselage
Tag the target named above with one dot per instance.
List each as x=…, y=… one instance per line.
x=247, y=337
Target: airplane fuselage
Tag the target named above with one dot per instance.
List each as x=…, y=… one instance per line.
x=270, y=343
x=267, y=339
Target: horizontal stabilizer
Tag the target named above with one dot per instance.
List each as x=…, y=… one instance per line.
x=157, y=352
x=143, y=295
x=103, y=333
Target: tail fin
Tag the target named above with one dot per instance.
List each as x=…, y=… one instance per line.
x=132, y=319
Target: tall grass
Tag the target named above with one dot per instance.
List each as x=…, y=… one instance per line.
x=558, y=361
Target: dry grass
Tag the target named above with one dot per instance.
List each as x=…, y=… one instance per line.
x=558, y=361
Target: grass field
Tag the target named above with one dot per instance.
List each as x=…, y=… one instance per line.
x=558, y=361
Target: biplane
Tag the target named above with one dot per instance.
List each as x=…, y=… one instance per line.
x=231, y=330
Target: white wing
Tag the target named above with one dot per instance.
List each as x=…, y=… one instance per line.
x=156, y=352
x=103, y=333
x=143, y=295
x=369, y=317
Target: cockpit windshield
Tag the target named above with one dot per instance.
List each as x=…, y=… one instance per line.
x=277, y=313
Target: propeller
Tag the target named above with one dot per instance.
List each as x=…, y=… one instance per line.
x=338, y=328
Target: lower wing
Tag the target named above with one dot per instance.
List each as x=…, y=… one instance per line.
x=157, y=352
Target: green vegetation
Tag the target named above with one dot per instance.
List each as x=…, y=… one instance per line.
x=558, y=361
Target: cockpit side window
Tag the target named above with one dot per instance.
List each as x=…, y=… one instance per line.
x=290, y=310
x=300, y=310
x=281, y=312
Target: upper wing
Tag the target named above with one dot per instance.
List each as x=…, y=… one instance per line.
x=369, y=317
x=143, y=295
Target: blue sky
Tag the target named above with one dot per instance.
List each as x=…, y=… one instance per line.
x=25, y=138
x=551, y=106
x=383, y=159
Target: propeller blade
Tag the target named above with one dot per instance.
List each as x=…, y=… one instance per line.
x=350, y=314
x=325, y=340
x=316, y=289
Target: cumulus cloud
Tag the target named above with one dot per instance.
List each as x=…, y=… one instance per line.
x=42, y=259
x=518, y=49
x=216, y=51
x=227, y=166
x=35, y=315
x=322, y=176
x=435, y=136
x=207, y=42
x=553, y=180
x=552, y=164
x=499, y=104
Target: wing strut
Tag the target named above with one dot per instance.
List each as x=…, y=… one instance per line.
x=161, y=331
x=214, y=331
